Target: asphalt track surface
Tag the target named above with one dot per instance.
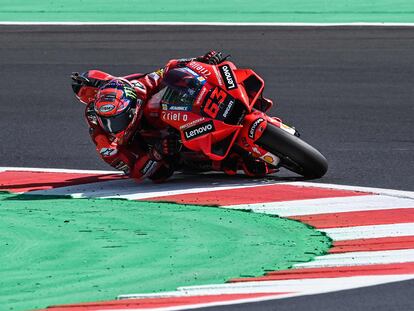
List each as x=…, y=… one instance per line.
x=349, y=91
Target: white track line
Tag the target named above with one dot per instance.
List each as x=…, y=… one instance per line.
x=359, y=259
x=370, y=232
x=328, y=205
x=302, y=286
x=248, y=24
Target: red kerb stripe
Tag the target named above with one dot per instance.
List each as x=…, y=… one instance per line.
x=376, y=244
x=148, y=303
x=362, y=218
x=259, y=194
x=334, y=272
x=22, y=181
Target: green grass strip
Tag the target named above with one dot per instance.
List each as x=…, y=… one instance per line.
x=316, y=11
x=55, y=250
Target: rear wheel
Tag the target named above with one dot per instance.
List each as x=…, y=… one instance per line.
x=295, y=154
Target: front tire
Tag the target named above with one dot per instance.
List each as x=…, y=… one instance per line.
x=295, y=154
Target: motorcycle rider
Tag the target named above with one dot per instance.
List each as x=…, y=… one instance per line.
x=114, y=113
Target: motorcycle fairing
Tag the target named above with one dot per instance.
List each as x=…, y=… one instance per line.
x=253, y=84
x=212, y=108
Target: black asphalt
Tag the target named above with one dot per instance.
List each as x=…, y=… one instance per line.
x=348, y=90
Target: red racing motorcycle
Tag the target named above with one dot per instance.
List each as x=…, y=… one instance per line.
x=219, y=108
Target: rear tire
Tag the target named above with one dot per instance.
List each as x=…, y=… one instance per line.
x=295, y=154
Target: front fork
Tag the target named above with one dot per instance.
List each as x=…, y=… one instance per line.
x=254, y=125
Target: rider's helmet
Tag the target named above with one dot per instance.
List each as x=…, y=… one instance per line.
x=116, y=105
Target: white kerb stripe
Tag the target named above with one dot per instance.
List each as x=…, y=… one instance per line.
x=328, y=205
x=391, y=192
x=302, y=285
x=131, y=190
x=360, y=258
x=370, y=232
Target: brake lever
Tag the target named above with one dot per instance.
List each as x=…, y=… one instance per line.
x=75, y=76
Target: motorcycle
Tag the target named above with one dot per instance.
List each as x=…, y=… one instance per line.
x=218, y=109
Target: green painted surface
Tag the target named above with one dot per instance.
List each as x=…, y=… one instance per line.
x=55, y=250
x=209, y=10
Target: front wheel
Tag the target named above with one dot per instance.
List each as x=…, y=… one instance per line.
x=295, y=154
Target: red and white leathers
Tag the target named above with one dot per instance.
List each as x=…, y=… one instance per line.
x=123, y=150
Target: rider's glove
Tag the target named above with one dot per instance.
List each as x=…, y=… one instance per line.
x=212, y=58
x=167, y=146
x=80, y=79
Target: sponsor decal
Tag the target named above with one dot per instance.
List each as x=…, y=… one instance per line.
x=199, y=130
x=270, y=158
x=200, y=69
x=107, y=108
x=154, y=75
x=228, y=77
x=219, y=79
x=137, y=84
x=179, y=108
x=160, y=72
x=213, y=103
x=176, y=107
x=122, y=166
x=174, y=116
x=130, y=92
x=148, y=167
x=287, y=129
x=200, y=96
x=228, y=108
x=192, y=123
x=254, y=126
x=107, y=152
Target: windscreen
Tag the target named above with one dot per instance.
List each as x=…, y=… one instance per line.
x=182, y=88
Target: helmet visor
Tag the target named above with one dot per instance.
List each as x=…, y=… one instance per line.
x=116, y=124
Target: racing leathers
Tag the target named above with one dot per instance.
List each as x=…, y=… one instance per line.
x=128, y=150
